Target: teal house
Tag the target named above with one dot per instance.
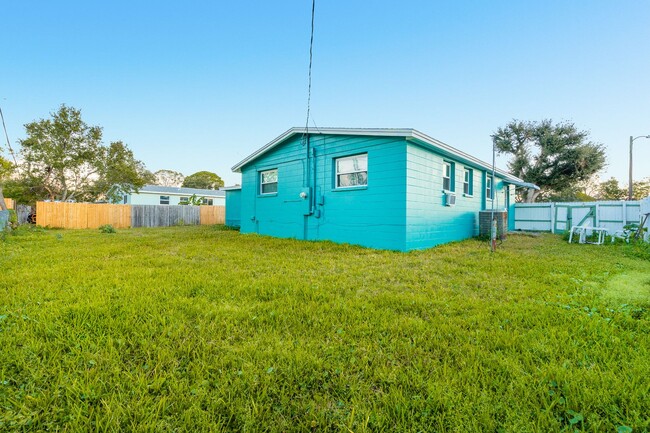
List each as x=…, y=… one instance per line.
x=395, y=189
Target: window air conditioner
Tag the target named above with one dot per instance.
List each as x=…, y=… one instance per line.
x=450, y=199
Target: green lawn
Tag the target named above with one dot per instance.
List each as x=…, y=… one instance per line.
x=204, y=329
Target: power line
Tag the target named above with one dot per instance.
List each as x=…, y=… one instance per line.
x=11, y=151
x=311, y=51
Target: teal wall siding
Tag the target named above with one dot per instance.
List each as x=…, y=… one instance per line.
x=233, y=207
x=372, y=216
x=401, y=208
x=280, y=214
x=429, y=221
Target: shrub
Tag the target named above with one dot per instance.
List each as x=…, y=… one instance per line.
x=107, y=228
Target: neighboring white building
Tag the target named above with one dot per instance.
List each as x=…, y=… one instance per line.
x=154, y=194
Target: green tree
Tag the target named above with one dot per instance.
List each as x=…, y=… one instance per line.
x=63, y=158
x=6, y=169
x=555, y=157
x=118, y=173
x=203, y=180
x=641, y=189
x=168, y=178
x=611, y=190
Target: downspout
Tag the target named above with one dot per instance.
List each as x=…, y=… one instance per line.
x=311, y=175
x=493, y=231
x=312, y=198
x=307, y=166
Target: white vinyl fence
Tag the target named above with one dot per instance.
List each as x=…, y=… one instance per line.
x=558, y=217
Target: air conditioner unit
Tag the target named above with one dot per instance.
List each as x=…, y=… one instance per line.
x=450, y=199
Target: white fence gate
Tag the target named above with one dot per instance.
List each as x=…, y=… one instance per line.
x=558, y=217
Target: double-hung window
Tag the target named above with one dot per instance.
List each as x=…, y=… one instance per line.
x=269, y=181
x=207, y=201
x=488, y=188
x=164, y=199
x=448, y=176
x=468, y=179
x=184, y=200
x=351, y=171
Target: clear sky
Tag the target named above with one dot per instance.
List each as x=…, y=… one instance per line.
x=199, y=85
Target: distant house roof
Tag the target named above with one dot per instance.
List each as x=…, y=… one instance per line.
x=156, y=189
x=408, y=133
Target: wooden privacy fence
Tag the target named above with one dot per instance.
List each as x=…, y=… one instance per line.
x=559, y=217
x=143, y=215
x=82, y=215
x=89, y=216
x=211, y=215
x=11, y=203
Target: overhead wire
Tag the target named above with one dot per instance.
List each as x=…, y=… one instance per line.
x=11, y=151
x=311, y=55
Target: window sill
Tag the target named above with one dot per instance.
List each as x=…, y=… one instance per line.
x=275, y=194
x=468, y=195
x=448, y=191
x=350, y=188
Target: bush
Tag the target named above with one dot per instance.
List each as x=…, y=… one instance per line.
x=107, y=228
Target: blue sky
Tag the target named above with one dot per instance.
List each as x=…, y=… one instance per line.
x=199, y=85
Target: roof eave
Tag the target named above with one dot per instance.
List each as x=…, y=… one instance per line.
x=522, y=184
x=385, y=132
x=466, y=157
x=408, y=133
x=237, y=167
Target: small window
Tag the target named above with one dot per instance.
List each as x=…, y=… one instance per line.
x=352, y=171
x=488, y=188
x=184, y=200
x=207, y=201
x=126, y=199
x=468, y=180
x=269, y=182
x=448, y=176
x=164, y=199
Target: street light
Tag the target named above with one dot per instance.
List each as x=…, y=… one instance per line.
x=630, y=187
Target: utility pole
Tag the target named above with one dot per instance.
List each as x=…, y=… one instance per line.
x=630, y=191
x=630, y=186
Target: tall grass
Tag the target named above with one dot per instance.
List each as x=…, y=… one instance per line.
x=203, y=329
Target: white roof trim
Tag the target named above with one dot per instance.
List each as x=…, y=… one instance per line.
x=174, y=193
x=408, y=133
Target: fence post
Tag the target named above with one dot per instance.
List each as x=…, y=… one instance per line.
x=552, y=208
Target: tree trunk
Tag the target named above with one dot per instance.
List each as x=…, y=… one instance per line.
x=3, y=205
x=531, y=195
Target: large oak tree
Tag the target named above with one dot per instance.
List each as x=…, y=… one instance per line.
x=63, y=158
x=555, y=157
x=203, y=180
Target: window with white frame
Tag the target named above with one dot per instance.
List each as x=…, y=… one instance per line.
x=269, y=181
x=468, y=180
x=489, y=188
x=448, y=176
x=351, y=171
x=184, y=200
x=207, y=201
x=164, y=199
